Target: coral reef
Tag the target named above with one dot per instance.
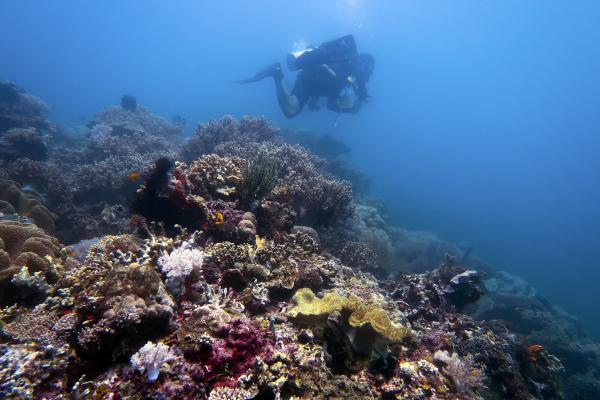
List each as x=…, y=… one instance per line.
x=22, y=143
x=19, y=109
x=227, y=129
x=89, y=181
x=230, y=278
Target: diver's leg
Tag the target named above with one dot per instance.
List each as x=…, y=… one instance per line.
x=273, y=70
x=290, y=104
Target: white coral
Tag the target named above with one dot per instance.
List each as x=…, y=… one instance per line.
x=181, y=262
x=237, y=393
x=150, y=358
x=463, y=372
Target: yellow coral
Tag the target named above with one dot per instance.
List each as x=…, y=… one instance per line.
x=377, y=318
x=260, y=242
x=308, y=307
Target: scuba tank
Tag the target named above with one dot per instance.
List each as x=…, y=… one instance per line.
x=336, y=50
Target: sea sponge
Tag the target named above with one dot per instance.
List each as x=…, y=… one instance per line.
x=26, y=205
x=368, y=326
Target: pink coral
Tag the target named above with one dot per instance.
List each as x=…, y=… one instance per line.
x=239, y=344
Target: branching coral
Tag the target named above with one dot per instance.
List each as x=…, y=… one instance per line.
x=139, y=120
x=19, y=109
x=318, y=198
x=210, y=134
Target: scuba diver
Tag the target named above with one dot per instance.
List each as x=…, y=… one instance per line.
x=334, y=70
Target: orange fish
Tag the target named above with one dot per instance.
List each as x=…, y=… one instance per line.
x=134, y=176
x=218, y=218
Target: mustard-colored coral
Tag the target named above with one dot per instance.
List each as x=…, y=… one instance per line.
x=377, y=318
x=308, y=307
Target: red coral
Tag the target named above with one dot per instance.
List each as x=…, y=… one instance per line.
x=239, y=344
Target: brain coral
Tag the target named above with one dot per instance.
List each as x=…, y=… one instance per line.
x=15, y=201
x=24, y=244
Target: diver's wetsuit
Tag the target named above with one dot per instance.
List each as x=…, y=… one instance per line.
x=326, y=80
x=325, y=71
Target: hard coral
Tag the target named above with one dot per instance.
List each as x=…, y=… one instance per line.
x=121, y=303
x=19, y=109
x=22, y=143
x=24, y=245
x=15, y=201
x=215, y=132
x=318, y=198
x=140, y=119
x=214, y=177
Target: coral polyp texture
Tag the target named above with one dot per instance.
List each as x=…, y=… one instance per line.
x=181, y=262
x=150, y=359
x=244, y=269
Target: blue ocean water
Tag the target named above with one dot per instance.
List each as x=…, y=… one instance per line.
x=483, y=122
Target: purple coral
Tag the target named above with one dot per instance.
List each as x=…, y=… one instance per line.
x=151, y=357
x=239, y=344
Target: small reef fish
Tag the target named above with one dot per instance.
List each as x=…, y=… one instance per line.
x=134, y=176
x=218, y=218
